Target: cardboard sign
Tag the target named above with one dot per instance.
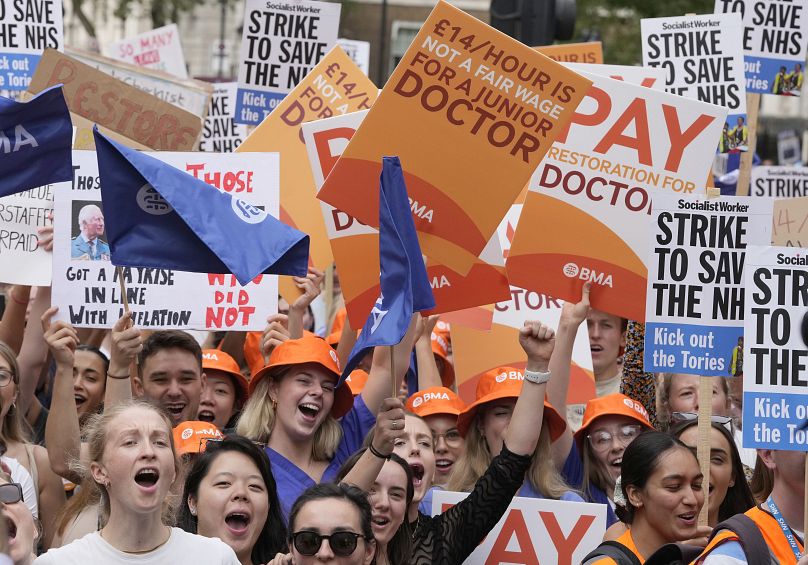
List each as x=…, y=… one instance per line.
x=22, y=261
x=649, y=77
x=560, y=532
x=790, y=222
x=592, y=194
x=470, y=112
x=358, y=51
x=191, y=95
x=477, y=352
x=775, y=40
x=158, y=49
x=356, y=246
x=221, y=133
x=695, y=302
x=87, y=290
x=779, y=182
x=26, y=30
x=117, y=106
x=703, y=60
x=280, y=45
x=775, y=357
x=335, y=86
x=590, y=52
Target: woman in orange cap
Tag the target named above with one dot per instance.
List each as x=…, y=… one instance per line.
x=295, y=403
x=224, y=392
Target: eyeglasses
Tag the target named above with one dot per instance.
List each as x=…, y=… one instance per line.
x=342, y=544
x=6, y=377
x=725, y=421
x=10, y=493
x=601, y=440
x=452, y=438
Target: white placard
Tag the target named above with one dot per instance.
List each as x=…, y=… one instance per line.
x=158, y=49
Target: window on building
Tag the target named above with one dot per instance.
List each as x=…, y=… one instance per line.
x=401, y=35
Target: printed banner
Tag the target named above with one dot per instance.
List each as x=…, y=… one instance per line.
x=22, y=261
x=358, y=51
x=86, y=286
x=590, y=52
x=221, y=133
x=356, y=246
x=596, y=184
x=775, y=354
x=695, y=302
x=27, y=28
x=775, y=40
x=470, y=112
x=280, y=45
x=558, y=531
x=649, y=77
x=335, y=86
x=780, y=182
x=790, y=222
x=703, y=60
x=158, y=49
x=112, y=104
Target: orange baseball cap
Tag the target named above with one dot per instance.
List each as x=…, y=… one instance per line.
x=356, y=381
x=308, y=349
x=435, y=400
x=506, y=382
x=440, y=348
x=611, y=405
x=217, y=360
x=190, y=437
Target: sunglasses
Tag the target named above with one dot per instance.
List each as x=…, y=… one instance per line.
x=725, y=421
x=10, y=493
x=342, y=544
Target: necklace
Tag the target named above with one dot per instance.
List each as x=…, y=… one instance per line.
x=415, y=530
x=141, y=552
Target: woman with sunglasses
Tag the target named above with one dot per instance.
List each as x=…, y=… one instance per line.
x=230, y=494
x=49, y=490
x=133, y=467
x=331, y=523
x=23, y=530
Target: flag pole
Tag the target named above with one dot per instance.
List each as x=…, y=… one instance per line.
x=393, y=372
x=125, y=301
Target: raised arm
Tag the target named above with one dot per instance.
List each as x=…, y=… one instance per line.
x=381, y=382
x=126, y=344
x=310, y=286
x=33, y=356
x=62, y=434
x=428, y=374
x=572, y=316
x=385, y=433
x=13, y=323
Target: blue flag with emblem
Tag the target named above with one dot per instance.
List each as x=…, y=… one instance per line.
x=404, y=283
x=36, y=139
x=161, y=217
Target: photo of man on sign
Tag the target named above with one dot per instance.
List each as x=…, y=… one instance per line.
x=87, y=245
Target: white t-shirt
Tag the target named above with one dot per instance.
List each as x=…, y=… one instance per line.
x=181, y=548
x=20, y=474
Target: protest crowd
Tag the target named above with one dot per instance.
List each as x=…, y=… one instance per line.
x=510, y=308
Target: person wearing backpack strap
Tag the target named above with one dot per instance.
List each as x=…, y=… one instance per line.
x=778, y=522
x=662, y=485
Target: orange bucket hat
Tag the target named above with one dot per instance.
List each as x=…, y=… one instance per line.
x=190, y=437
x=435, y=400
x=308, y=349
x=217, y=360
x=356, y=381
x=611, y=405
x=440, y=348
x=506, y=382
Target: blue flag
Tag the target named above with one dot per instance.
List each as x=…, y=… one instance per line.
x=158, y=216
x=404, y=284
x=36, y=139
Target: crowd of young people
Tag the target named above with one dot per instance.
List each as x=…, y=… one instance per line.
x=126, y=446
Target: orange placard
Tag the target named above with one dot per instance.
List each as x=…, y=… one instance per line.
x=790, y=222
x=356, y=246
x=335, y=86
x=589, y=52
x=470, y=112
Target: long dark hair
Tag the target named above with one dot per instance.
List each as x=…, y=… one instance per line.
x=399, y=547
x=640, y=460
x=272, y=539
x=739, y=496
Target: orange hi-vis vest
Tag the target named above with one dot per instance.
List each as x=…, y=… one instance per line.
x=772, y=534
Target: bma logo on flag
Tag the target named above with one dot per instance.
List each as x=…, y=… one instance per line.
x=247, y=212
x=151, y=202
x=377, y=313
